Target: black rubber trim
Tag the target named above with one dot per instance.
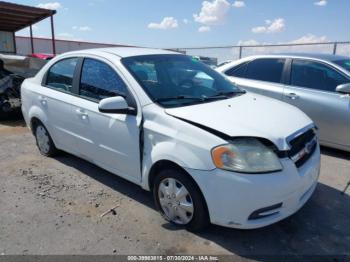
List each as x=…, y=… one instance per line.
x=257, y=213
x=208, y=129
x=141, y=141
x=126, y=111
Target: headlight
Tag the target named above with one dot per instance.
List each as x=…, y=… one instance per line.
x=246, y=155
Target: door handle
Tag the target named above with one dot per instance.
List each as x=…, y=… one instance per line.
x=292, y=96
x=82, y=114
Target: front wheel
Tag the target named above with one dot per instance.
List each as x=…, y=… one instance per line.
x=179, y=200
x=44, y=141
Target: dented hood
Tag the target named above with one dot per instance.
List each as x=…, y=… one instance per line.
x=247, y=115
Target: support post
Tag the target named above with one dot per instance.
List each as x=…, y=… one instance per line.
x=14, y=42
x=335, y=48
x=53, y=37
x=240, y=51
x=31, y=38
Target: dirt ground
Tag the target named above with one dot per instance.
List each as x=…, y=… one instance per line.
x=53, y=206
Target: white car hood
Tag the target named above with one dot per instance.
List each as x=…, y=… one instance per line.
x=247, y=115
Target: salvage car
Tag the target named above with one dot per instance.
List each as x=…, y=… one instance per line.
x=318, y=84
x=13, y=70
x=209, y=151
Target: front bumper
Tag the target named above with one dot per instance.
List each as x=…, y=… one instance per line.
x=234, y=199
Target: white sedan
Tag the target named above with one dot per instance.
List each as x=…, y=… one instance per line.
x=209, y=151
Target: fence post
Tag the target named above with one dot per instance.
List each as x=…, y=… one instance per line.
x=335, y=48
x=240, y=52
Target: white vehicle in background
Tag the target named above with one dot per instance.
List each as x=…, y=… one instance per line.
x=209, y=151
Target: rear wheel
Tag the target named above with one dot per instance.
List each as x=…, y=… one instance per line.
x=44, y=141
x=179, y=200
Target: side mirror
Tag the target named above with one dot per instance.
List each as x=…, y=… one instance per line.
x=115, y=105
x=344, y=88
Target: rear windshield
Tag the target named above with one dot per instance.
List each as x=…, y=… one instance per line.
x=345, y=63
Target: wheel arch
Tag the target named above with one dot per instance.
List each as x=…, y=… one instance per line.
x=36, y=115
x=167, y=164
x=161, y=165
x=34, y=122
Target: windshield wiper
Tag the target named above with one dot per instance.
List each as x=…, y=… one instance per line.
x=180, y=97
x=220, y=95
x=225, y=95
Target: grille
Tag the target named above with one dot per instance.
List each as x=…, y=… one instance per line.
x=303, y=147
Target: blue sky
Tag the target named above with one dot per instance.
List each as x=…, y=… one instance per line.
x=187, y=23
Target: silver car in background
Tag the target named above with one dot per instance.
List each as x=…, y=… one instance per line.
x=318, y=84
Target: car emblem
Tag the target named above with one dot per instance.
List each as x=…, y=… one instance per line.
x=305, y=151
x=309, y=146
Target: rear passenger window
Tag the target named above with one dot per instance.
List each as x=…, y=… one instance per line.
x=99, y=81
x=267, y=69
x=60, y=75
x=315, y=75
x=237, y=71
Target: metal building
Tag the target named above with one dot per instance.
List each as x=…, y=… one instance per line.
x=14, y=17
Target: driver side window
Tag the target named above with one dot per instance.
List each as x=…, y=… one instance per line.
x=99, y=81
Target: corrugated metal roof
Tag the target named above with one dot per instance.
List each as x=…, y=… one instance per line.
x=14, y=17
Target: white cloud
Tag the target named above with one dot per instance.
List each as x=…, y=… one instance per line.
x=275, y=26
x=238, y=4
x=68, y=36
x=185, y=21
x=321, y=3
x=212, y=13
x=292, y=48
x=248, y=42
x=306, y=39
x=166, y=23
x=204, y=29
x=65, y=35
x=259, y=29
x=82, y=28
x=52, y=5
x=310, y=38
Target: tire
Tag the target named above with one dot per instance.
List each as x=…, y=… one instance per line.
x=177, y=210
x=44, y=141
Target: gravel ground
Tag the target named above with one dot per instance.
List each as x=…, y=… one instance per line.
x=53, y=206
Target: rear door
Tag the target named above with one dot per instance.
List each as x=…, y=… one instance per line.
x=109, y=140
x=311, y=88
x=262, y=75
x=55, y=99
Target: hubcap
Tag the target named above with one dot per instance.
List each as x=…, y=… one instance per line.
x=43, y=139
x=175, y=201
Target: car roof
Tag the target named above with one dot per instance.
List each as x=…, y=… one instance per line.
x=320, y=56
x=125, y=51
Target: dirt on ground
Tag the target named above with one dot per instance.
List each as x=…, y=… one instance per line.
x=54, y=206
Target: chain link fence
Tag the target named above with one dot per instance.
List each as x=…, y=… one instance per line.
x=225, y=53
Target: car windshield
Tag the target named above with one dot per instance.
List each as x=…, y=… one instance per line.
x=345, y=63
x=177, y=80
